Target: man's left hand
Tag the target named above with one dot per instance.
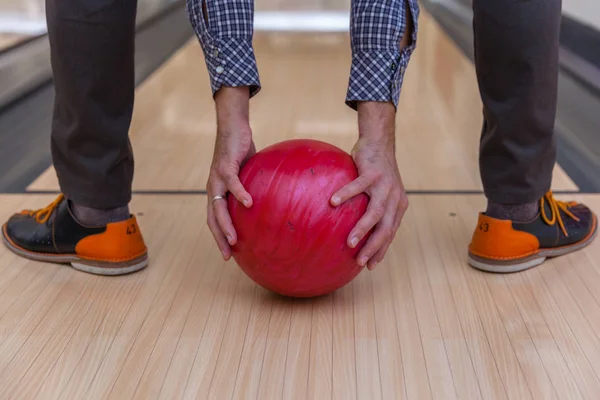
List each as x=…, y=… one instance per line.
x=379, y=177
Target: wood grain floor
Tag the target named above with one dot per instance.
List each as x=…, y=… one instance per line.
x=423, y=325
x=305, y=5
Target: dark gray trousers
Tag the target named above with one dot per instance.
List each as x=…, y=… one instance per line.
x=516, y=55
x=92, y=47
x=92, y=53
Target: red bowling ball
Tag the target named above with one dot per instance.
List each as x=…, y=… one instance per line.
x=292, y=241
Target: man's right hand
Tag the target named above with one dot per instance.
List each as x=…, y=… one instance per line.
x=233, y=147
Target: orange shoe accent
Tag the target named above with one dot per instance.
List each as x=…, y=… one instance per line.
x=122, y=241
x=496, y=239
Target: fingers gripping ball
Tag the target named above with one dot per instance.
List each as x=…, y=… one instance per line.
x=292, y=240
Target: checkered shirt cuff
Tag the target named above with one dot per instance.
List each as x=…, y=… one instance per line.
x=227, y=42
x=231, y=62
x=376, y=76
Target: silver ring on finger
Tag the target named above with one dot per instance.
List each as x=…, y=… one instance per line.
x=218, y=197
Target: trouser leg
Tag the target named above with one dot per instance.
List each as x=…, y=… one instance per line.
x=516, y=57
x=92, y=51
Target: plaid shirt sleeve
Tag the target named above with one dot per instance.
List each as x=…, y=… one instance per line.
x=378, y=64
x=225, y=33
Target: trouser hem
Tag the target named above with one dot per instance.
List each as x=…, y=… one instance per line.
x=500, y=196
x=98, y=199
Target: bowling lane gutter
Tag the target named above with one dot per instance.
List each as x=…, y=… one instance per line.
x=25, y=65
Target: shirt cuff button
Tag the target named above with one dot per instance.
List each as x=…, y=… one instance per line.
x=220, y=69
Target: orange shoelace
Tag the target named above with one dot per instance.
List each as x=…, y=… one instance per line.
x=43, y=214
x=555, y=207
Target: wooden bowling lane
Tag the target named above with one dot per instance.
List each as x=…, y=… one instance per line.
x=10, y=39
x=423, y=325
x=306, y=5
x=304, y=80
x=20, y=20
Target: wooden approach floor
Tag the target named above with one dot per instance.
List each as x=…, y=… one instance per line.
x=423, y=325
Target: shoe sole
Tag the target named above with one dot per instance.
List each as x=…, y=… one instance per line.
x=522, y=264
x=80, y=264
